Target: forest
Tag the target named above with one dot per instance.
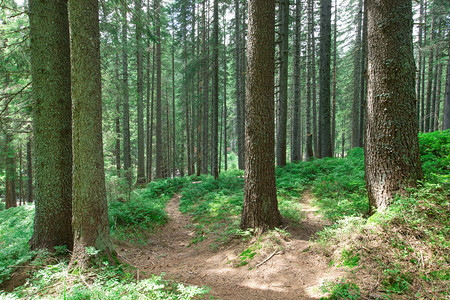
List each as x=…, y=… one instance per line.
x=206, y=149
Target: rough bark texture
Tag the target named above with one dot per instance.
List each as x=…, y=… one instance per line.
x=52, y=124
x=240, y=108
x=296, y=117
x=333, y=106
x=325, y=78
x=309, y=138
x=446, y=119
x=363, y=90
x=260, y=209
x=90, y=210
x=356, y=105
x=391, y=150
x=282, y=102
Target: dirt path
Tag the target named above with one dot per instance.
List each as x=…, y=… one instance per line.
x=296, y=272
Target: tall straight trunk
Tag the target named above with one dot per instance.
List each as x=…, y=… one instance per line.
x=240, y=123
x=205, y=94
x=10, y=178
x=282, y=103
x=126, y=98
x=333, y=91
x=174, y=145
x=446, y=117
x=430, y=81
x=296, y=118
x=309, y=138
x=422, y=98
x=52, y=124
x=260, y=209
x=315, y=135
x=343, y=140
x=324, y=78
x=438, y=99
x=147, y=102
x=215, y=93
x=29, y=173
x=363, y=89
x=419, y=71
x=117, y=120
x=140, y=94
x=356, y=105
x=90, y=210
x=225, y=112
x=434, y=96
x=20, y=175
x=152, y=112
x=159, y=141
x=391, y=151
x=195, y=93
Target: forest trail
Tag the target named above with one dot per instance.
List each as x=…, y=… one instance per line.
x=294, y=272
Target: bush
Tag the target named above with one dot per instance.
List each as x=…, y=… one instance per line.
x=435, y=155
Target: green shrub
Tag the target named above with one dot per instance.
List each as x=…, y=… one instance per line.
x=435, y=155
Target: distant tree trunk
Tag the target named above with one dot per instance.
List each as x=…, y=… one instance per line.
x=430, y=81
x=419, y=71
x=357, y=79
x=215, y=93
x=117, y=122
x=159, y=142
x=296, y=118
x=90, y=210
x=174, y=145
x=29, y=173
x=152, y=112
x=52, y=124
x=392, y=161
x=422, y=98
x=309, y=138
x=324, y=78
x=140, y=94
x=446, y=118
x=438, y=99
x=282, y=103
x=240, y=108
x=10, y=174
x=260, y=210
x=316, y=134
x=343, y=140
x=363, y=87
x=205, y=96
x=333, y=106
x=225, y=112
x=20, y=175
x=126, y=97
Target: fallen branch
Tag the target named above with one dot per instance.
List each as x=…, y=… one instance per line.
x=270, y=256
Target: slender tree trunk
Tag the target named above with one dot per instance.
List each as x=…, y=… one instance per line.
x=392, y=163
x=159, y=142
x=90, y=210
x=126, y=98
x=309, y=138
x=174, y=145
x=324, y=78
x=10, y=174
x=333, y=106
x=363, y=90
x=419, y=71
x=215, y=93
x=260, y=210
x=205, y=96
x=282, y=103
x=225, y=112
x=422, y=98
x=29, y=173
x=296, y=118
x=446, y=117
x=429, y=82
x=357, y=79
x=313, y=84
x=140, y=94
x=240, y=123
x=52, y=124
x=117, y=120
x=438, y=99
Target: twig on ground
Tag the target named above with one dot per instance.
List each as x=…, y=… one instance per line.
x=270, y=256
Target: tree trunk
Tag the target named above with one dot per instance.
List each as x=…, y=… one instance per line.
x=324, y=78
x=446, y=117
x=315, y=136
x=215, y=93
x=357, y=79
x=419, y=71
x=30, y=173
x=52, y=124
x=260, y=209
x=296, y=118
x=10, y=174
x=282, y=103
x=117, y=122
x=90, y=210
x=159, y=142
x=363, y=87
x=429, y=82
x=392, y=161
x=309, y=138
x=333, y=106
x=240, y=123
x=205, y=94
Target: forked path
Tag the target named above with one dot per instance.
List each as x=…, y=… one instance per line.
x=296, y=272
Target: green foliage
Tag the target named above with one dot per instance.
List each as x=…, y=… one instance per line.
x=16, y=225
x=341, y=290
x=435, y=155
x=133, y=219
x=106, y=282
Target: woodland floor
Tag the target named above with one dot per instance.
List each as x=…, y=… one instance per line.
x=294, y=272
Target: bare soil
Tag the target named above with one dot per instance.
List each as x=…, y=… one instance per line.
x=294, y=270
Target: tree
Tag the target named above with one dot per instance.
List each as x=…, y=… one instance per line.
x=282, y=101
x=215, y=94
x=90, y=211
x=52, y=124
x=446, y=121
x=357, y=79
x=296, y=118
x=158, y=133
x=240, y=98
x=260, y=209
x=324, y=79
x=391, y=149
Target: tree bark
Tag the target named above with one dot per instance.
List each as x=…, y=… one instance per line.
x=392, y=161
x=357, y=79
x=260, y=209
x=29, y=173
x=309, y=138
x=90, y=210
x=446, y=117
x=296, y=118
x=159, y=142
x=52, y=124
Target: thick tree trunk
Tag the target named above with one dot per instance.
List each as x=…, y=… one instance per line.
x=90, y=210
x=324, y=78
x=260, y=209
x=52, y=124
x=392, y=161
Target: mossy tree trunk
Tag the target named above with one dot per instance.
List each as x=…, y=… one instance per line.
x=52, y=124
x=90, y=211
x=392, y=162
